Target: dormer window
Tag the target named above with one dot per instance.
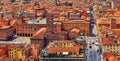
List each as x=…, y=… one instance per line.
x=112, y=36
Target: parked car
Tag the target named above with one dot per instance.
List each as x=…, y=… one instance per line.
x=90, y=46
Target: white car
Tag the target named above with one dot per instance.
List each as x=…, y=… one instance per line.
x=97, y=43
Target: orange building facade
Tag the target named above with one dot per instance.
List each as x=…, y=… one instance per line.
x=3, y=50
x=82, y=26
x=6, y=33
x=28, y=29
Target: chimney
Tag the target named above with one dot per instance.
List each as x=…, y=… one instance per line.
x=56, y=2
x=68, y=14
x=112, y=4
x=8, y=22
x=113, y=23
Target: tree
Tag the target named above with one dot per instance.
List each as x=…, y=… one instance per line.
x=42, y=54
x=37, y=3
x=52, y=55
x=1, y=3
x=25, y=2
x=60, y=55
x=12, y=1
x=69, y=4
x=81, y=50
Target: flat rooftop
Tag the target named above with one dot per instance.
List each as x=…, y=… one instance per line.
x=76, y=21
x=34, y=21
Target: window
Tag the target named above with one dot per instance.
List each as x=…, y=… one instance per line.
x=2, y=47
x=35, y=29
x=107, y=49
x=107, y=59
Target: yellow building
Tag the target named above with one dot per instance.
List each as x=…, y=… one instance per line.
x=109, y=48
x=65, y=44
x=15, y=53
x=12, y=53
x=19, y=54
x=110, y=45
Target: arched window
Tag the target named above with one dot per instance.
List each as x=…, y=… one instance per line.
x=107, y=59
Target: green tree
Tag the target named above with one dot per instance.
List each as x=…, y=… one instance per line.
x=69, y=4
x=36, y=3
x=1, y=3
x=60, y=55
x=12, y=1
x=81, y=50
x=25, y=2
x=42, y=54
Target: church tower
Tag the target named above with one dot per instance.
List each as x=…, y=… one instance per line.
x=50, y=25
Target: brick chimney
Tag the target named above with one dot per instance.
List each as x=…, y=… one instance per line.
x=8, y=22
x=113, y=23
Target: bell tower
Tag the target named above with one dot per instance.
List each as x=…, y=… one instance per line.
x=50, y=25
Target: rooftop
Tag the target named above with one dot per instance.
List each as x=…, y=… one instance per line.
x=106, y=20
x=63, y=46
x=39, y=34
x=112, y=13
x=34, y=21
x=55, y=36
x=110, y=41
x=76, y=21
x=4, y=27
x=111, y=56
x=5, y=21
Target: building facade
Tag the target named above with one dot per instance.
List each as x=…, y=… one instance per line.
x=3, y=50
x=6, y=33
x=110, y=44
x=63, y=49
x=84, y=27
x=28, y=29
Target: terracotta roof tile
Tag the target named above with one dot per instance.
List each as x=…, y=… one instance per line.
x=109, y=41
x=110, y=56
x=73, y=48
x=39, y=34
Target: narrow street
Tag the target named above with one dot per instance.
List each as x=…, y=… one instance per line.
x=93, y=53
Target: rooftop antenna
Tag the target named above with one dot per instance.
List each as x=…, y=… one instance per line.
x=112, y=4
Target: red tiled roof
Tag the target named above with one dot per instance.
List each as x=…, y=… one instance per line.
x=110, y=56
x=107, y=54
x=75, y=30
x=39, y=34
x=55, y=36
x=3, y=52
x=67, y=49
x=4, y=22
x=109, y=41
x=73, y=48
